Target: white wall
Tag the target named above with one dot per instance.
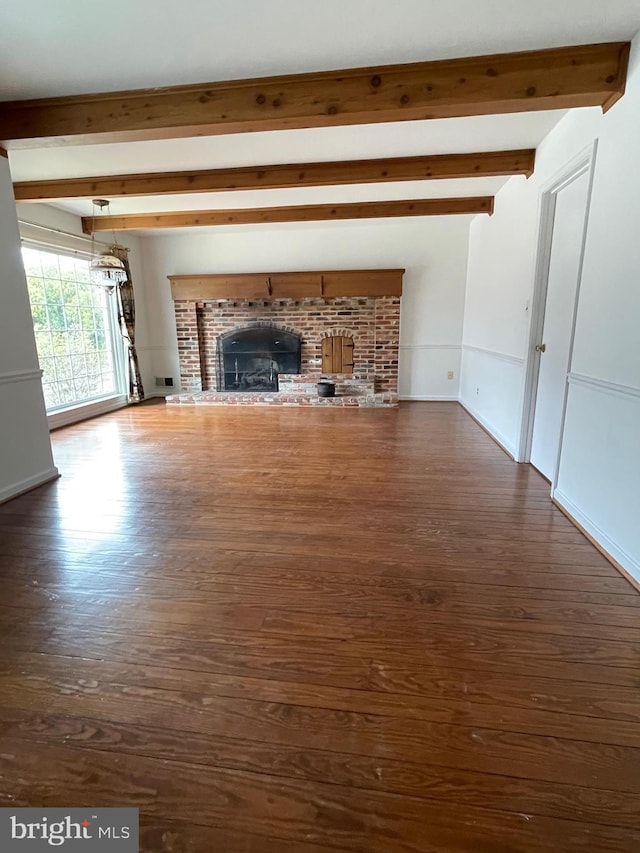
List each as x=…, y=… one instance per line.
x=432, y=250
x=502, y=253
x=53, y=217
x=599, y=478
x=25, y=450
x=600, y=459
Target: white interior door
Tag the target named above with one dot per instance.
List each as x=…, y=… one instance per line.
x=562, y=288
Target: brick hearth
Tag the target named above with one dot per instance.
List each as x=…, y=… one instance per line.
x=372, y=322
x=384, y=400
x=298, y=390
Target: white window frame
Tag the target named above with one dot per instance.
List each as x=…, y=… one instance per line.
x=68, y=414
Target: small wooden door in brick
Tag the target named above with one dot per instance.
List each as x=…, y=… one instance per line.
x=337, y=355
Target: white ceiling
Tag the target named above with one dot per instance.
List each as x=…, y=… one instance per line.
x=56, y=48
x=59, y=47
x=307, y=195
x=402, y=139
x=487, y=133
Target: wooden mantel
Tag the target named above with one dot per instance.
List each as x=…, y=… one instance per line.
x=287, y=285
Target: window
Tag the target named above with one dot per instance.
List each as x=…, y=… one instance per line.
x=74, y=325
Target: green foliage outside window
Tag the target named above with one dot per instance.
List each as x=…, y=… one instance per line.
x=71, y=320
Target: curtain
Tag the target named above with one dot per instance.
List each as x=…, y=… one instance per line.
x=127, y=321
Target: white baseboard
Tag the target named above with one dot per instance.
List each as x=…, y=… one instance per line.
x=625, y=561
x=28, y=483
x=434, y=397
x=495, y=434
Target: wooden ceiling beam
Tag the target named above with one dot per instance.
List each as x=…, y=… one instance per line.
x=557, y=78
x=292, y=213
x=483, y=164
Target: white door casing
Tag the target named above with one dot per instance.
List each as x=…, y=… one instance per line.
x=569, y=208
x=583, y=162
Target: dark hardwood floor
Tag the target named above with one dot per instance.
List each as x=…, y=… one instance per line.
x=302, y=631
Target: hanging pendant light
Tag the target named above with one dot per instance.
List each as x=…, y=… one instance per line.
x=106, y=269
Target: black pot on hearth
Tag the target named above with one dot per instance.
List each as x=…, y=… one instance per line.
x=326, y=388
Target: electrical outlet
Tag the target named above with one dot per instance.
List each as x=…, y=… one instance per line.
x=168, y=381
x=477, y=391
x=450, y=374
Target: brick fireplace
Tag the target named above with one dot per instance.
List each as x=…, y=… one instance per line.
x=365, y=310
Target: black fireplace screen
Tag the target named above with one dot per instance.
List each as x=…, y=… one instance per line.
x=251, y=359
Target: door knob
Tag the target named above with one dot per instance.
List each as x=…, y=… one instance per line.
x=541, y=347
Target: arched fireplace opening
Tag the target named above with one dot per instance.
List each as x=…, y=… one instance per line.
x=250, y=359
